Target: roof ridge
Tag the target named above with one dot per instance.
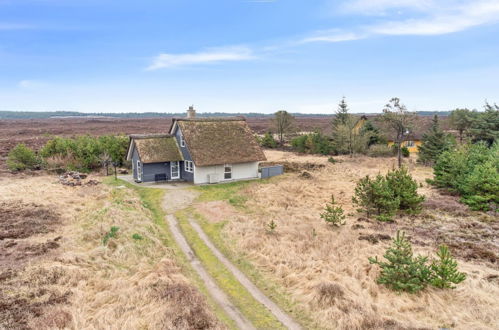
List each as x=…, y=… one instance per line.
x=231, y=118
x=150, y=136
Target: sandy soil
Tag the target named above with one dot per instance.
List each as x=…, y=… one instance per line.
x=326, y=269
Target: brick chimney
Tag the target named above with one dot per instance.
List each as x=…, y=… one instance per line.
x=191, y=113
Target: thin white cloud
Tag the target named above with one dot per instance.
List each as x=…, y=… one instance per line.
x=468, y=16
x=446, y=16
x=14, y=26
x=30, y=84
x=370, y=7
x=332, y=36
x=216, y=55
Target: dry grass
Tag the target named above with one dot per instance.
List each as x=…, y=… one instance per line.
x=126, y=284
x=326, y=270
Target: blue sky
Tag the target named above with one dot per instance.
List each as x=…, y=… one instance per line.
x=247, y=55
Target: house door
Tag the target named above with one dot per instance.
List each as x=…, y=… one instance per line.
x=175, y=170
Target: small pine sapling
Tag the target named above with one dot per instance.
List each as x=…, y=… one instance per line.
x=272, y=225
x=402, y=271
x=444, y=270
x=333, y=214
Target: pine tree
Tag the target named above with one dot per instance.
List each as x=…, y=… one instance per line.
x=485, y=125
x=402, y=271
x=444, y=270
x=435, y=141
x=341, y=116
x=333, y=214
x=374, y=196
x=461, y=120
x=405, y=189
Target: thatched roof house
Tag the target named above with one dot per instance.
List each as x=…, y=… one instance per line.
x=199, y=150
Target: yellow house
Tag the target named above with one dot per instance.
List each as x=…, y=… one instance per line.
x=413, y=137
x=411, y=145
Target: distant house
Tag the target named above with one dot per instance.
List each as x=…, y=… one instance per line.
x=198, y=150
x=413, y=135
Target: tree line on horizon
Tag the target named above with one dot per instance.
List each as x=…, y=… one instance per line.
x=4, y=114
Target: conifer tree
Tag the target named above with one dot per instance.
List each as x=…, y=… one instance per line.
x=444, y=270
x=341, y=115
x=435, y=141
x=402, y=271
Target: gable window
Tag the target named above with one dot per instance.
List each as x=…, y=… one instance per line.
x=227, y=171
x=182, y=141
x=409, y=144
x=189, y=166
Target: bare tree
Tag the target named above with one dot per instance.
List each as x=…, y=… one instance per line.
x=284, y=124
x=400, y=120
x=105, y=161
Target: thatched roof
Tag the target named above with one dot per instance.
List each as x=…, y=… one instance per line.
x=215, y=141
x=156, y=148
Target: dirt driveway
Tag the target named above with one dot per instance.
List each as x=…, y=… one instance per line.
x=179, y=199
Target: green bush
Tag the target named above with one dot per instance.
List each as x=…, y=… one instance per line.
x=444, y=270
x=402, y=271
x=314, y=143
x=332, y=160
x=405, y=188
x=268, y=141
x=380, y=150
x=471, y=171
x=137, y=237
x=333, y=214
x=83, y=153
x=375, y=197
x=405, y=152
x=21, y=158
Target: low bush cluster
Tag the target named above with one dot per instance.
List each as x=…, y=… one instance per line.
x=405, y=272
x=268, y=141
x=22, y=158
x=472, y=171
x=85, y=153
x=383, y=196
x=314, y=143
x=82, y=153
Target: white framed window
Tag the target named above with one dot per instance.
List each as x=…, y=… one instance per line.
x=139, y=170
x=182, y=141
x=227, y=171
x=188, y=166
x=409, y=144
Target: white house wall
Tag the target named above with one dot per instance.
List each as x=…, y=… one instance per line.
x=239, y=172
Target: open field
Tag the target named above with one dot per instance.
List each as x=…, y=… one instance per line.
x=324, y=271
x=35, y=132
x=62, y=265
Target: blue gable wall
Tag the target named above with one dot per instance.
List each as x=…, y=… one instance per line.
x=187, y=176
x=135, y=157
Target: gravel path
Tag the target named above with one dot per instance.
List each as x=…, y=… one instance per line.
x=284, y=318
